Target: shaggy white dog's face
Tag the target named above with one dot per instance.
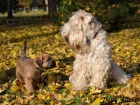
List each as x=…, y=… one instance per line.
x=80, y=30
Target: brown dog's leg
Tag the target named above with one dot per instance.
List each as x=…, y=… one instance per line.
x=18, y=76
x=29, y=84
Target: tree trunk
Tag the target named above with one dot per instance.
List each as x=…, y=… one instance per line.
x=51, y=7
x=9, y=9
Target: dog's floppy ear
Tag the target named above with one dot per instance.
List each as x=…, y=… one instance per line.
x=65, y=30
x=39, y=61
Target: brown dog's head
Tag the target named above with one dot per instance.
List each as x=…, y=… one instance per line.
x=45, y=61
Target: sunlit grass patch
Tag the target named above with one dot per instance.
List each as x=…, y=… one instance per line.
x=54, y=87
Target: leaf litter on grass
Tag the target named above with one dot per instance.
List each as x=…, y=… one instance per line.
x=55, y=89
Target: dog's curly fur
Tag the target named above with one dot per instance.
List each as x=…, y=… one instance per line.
x=93, y=65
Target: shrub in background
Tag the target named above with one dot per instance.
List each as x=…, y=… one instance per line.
x=109, y=12
x=3, y=6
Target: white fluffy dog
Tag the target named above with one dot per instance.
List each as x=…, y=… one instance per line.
x=93, y=65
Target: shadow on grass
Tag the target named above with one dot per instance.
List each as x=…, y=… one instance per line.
x=23, y=20
x=54, y=78
x=7, y=75
x=10, y=75
x=68, y=61
x=59, y=77
x=13, y=40
x=134, y=68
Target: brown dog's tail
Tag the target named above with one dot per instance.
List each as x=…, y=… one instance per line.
x=23, y=52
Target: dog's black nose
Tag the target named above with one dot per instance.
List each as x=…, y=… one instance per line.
x=53, y=64
x=67, y=39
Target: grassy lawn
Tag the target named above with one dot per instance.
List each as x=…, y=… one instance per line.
x=54, y=88
x=23, y=18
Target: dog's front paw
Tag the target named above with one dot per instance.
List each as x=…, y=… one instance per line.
x=78, y=82
x=77, y=88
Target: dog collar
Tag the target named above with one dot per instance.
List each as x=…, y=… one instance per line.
x=95, y=35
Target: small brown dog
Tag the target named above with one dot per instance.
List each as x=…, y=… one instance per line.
x=29, y=70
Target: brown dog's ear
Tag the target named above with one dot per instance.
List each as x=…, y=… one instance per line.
x=39, y=61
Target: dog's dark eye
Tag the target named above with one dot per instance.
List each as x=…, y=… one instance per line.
x=48, y=59
x=90, y=22
x=82, y=18
x=88, y=41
